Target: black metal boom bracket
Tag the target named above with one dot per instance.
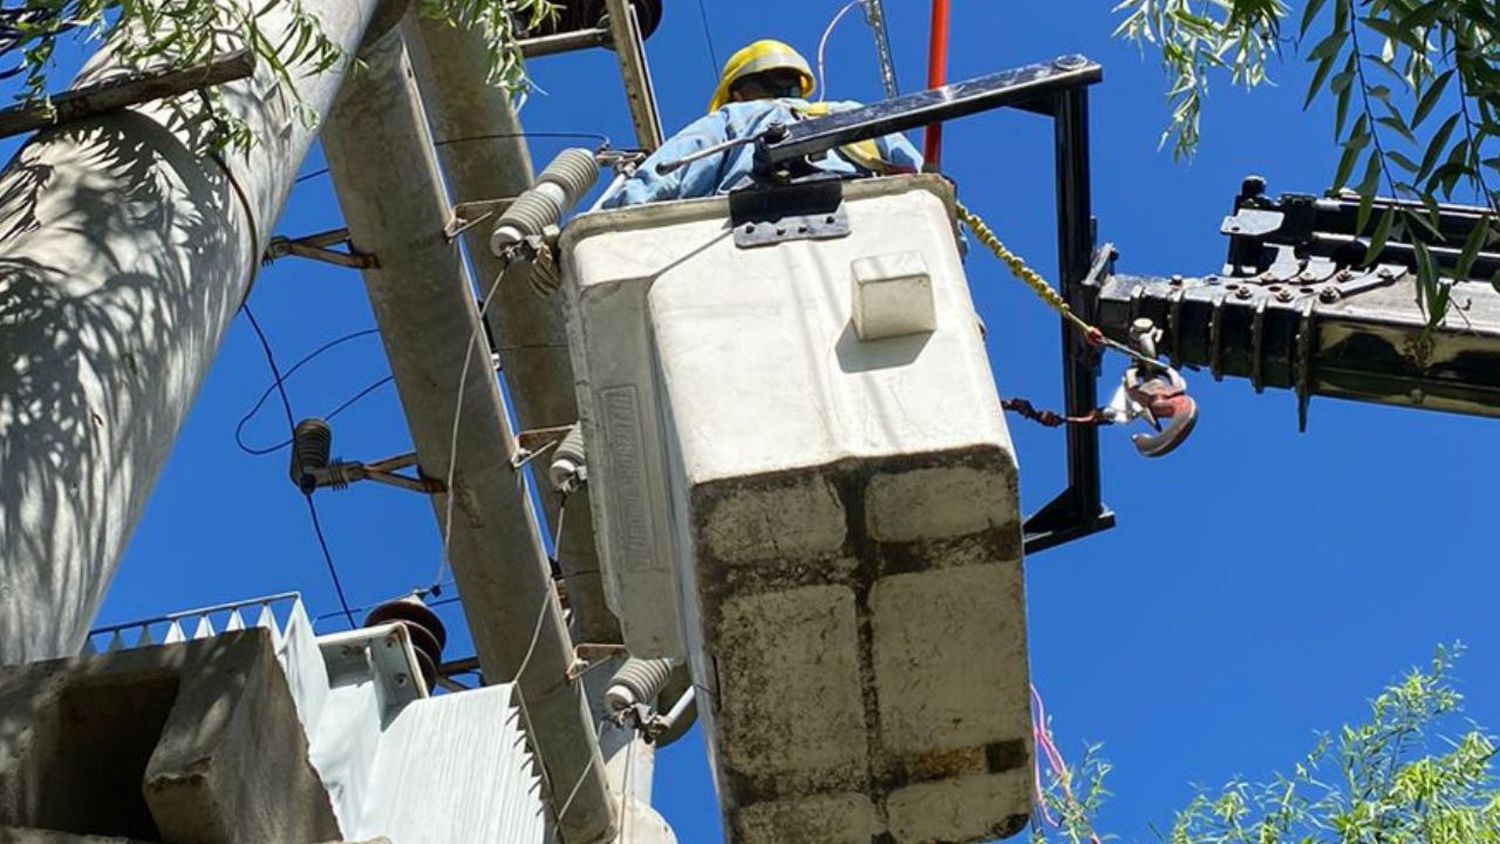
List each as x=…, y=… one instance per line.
x=1059, y=90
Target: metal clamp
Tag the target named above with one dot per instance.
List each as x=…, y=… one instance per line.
x=315, y=247
x=1153, y=393
x=809, y=210
x=340, y=474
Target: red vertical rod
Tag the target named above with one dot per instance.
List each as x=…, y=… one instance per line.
x=937, y=76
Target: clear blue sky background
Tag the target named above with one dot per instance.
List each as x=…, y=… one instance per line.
x=1261, y=584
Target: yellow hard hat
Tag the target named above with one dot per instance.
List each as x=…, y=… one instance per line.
x=760, y=57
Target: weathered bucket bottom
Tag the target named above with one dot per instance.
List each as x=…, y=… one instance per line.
x=866, y=628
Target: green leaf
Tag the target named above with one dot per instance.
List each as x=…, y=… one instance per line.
x=1394, y=32
x=1346, y=167
x=1381, y=235
x=1397, y=125
x=1368, y=187
x=1330, y=46
x=1437, y=145
x=1477, y=240
x=1319, y=75
x=1401, y=161
x=1310, y=14
x=1430, y=98
x=1341, y=107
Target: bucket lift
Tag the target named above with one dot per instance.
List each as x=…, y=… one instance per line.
x=805, y=487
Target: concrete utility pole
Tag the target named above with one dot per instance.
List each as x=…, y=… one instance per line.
x=485, y=157
x=123, y=257
x=424, y=302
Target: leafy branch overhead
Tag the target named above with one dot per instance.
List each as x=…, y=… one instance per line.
x=1393, y=778
x=186, y=33
x=1415, y=95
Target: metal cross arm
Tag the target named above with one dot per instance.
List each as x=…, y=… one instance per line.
x=1031, y=87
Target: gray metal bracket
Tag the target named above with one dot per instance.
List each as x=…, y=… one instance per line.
x=812, y=210
x=316, y=247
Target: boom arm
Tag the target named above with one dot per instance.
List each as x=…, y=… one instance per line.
x=1295, y=306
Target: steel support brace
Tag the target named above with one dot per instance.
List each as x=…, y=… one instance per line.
x=1031, y=87
x=1079, y=510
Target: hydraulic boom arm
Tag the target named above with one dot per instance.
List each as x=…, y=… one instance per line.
x=1296, y=306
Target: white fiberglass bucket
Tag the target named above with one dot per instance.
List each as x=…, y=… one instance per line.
x=803, y=484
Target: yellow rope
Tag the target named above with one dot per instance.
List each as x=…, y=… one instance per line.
x=1018, y=268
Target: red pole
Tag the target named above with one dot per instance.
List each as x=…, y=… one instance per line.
x=937, y=76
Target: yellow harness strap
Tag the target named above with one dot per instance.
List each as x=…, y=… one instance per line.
x=864, y=154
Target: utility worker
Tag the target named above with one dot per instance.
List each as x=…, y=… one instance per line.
x=765, y=83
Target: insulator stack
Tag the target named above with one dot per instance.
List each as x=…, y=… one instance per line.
x=559, y=187
x=312, y=446
x=569, y=467
x=427, y=633
x=638, y=681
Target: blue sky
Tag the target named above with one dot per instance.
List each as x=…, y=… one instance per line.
x=1261, y=585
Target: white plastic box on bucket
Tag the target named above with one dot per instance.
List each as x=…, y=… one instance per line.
x=804, y=485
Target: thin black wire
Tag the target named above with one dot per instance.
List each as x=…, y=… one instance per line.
x=312, y=508
x=328, y=417
x=708, y=37
x=420, y=593
x=307, y=177
x=593, y=136
x=239, y=430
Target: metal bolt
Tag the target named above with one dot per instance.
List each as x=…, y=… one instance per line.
x=1330, y=295
x=1070, y=62
x=1284, y=296
x=1346, y=274
x=1243, y=293
x=1417, y=396
x=1267, y=276
x=1176, y=281
x=1386, y=272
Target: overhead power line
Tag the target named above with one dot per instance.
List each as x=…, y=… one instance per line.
x=291, y=424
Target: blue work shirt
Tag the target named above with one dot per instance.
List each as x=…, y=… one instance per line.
x=719, y=174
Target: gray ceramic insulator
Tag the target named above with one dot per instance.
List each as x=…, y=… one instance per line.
x=559, y=187
x=569, y=462
x=638, y=681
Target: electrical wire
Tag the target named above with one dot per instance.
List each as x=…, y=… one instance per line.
x=312, y=508
x=307, y=177
x=708, y=39
x=823, y=46
x=593, y=136
x=420, y=593
x=329, y=416
x=458, y=412
x=254, y=411
x=1055, y=762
